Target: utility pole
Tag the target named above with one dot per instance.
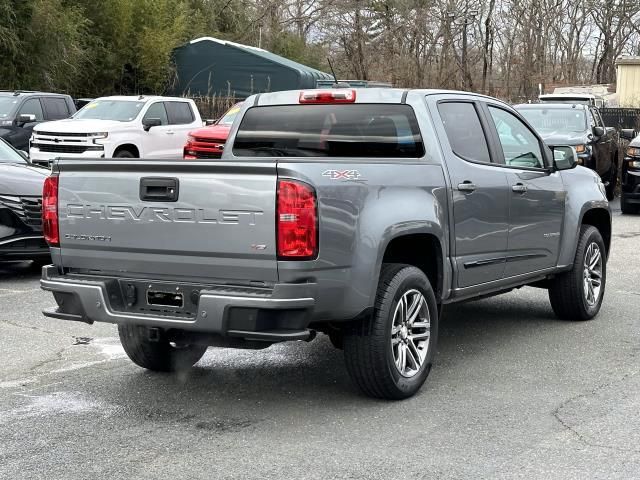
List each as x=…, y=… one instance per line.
x=468, y=17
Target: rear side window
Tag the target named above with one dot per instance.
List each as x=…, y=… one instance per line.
x=55, y=108
x=355, y=130
x=179, y=113
x=464, y=131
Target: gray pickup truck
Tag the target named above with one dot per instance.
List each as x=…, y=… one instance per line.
x=356, y=213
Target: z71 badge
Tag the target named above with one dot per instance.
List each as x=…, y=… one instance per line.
x=341, y=174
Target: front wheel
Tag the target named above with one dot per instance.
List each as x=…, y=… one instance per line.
x=390, y=354
x=159, y=354
x=578, y=293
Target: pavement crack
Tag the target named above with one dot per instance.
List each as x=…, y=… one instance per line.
x=57, y=357
x=579, y=436
x=30, y=327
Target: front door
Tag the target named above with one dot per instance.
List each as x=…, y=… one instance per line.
x=536, y=197
x=158, y=141
x=480, y=194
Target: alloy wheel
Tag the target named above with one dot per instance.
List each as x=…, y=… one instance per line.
x=410, y=333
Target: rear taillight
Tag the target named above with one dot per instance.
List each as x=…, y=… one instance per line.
x=327, y=96
x=297, y=221
x=50, y=211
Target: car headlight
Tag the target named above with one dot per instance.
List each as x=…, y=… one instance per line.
x=99, y=135
x=633, y=151
x=634, y=164
x=191, y=139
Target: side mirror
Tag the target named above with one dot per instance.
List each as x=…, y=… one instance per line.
x=26, y=118
x=628, y=133
x=564, y=157
x=24, y=154
x=599, y=131
x=147, y=123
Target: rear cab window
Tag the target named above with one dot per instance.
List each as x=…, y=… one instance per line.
x=350, y=130
x=179, y=113
x=56, y=108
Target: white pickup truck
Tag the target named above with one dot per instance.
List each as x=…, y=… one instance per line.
x=118, y=127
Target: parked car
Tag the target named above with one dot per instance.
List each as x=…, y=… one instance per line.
x=580, y=126
x=357, y=213
x=118, y=127
x=208, y=142
x=630, y=175
x=20, y=207
x=21, y=111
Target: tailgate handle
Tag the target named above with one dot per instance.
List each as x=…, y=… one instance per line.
x=158, y=189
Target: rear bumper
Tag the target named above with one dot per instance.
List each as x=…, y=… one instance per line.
x=279, y=314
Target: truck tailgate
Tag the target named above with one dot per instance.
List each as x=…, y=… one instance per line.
x=146, y=218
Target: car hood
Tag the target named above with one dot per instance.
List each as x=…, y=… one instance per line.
x=71, y=125
x=21, y=180
x=213, y=132
x=564, y=138
x=635, y=142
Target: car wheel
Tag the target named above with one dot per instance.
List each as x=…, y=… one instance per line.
x=158, y=355
x=390, y=354
x=578, y=293
x=627, y=207
x=124, y=154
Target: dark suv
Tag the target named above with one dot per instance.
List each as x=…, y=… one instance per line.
x=20, y=111
x=582, y=127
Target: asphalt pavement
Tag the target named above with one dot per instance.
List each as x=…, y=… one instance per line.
x=515, y=393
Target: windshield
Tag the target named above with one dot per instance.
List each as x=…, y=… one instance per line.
x=118, y=110
x=230, y=116
x=556, y=119
x=9, y=155
x=7, y=105
x=359, y=130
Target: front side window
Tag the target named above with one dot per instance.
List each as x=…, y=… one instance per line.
x=353, y=130
x=157, y=110
x=464, y=131
x=32, y=107
x=520, y=146
x=118, y=110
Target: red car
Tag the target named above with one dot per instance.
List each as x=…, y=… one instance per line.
x=208, y=142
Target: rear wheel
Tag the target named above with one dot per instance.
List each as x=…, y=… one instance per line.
x=626, y=206
x=158, y=354
x=578, y=293
x=390, y=354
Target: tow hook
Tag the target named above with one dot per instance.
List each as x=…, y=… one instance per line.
x=154, y=334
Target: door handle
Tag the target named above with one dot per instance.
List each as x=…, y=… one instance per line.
x=170, y=132
x=519, y=188
x=467, y=187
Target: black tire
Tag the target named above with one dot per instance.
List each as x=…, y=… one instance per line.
x=567, y=292
x=160, y=355
x=124, y=154
x=368, y=350
x=610, y=189
x=626, y=207
x=336, y=337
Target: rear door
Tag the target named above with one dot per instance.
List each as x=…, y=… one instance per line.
x=181, y=118
x=480, y=193
x=536, y=195
x=213, y=222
